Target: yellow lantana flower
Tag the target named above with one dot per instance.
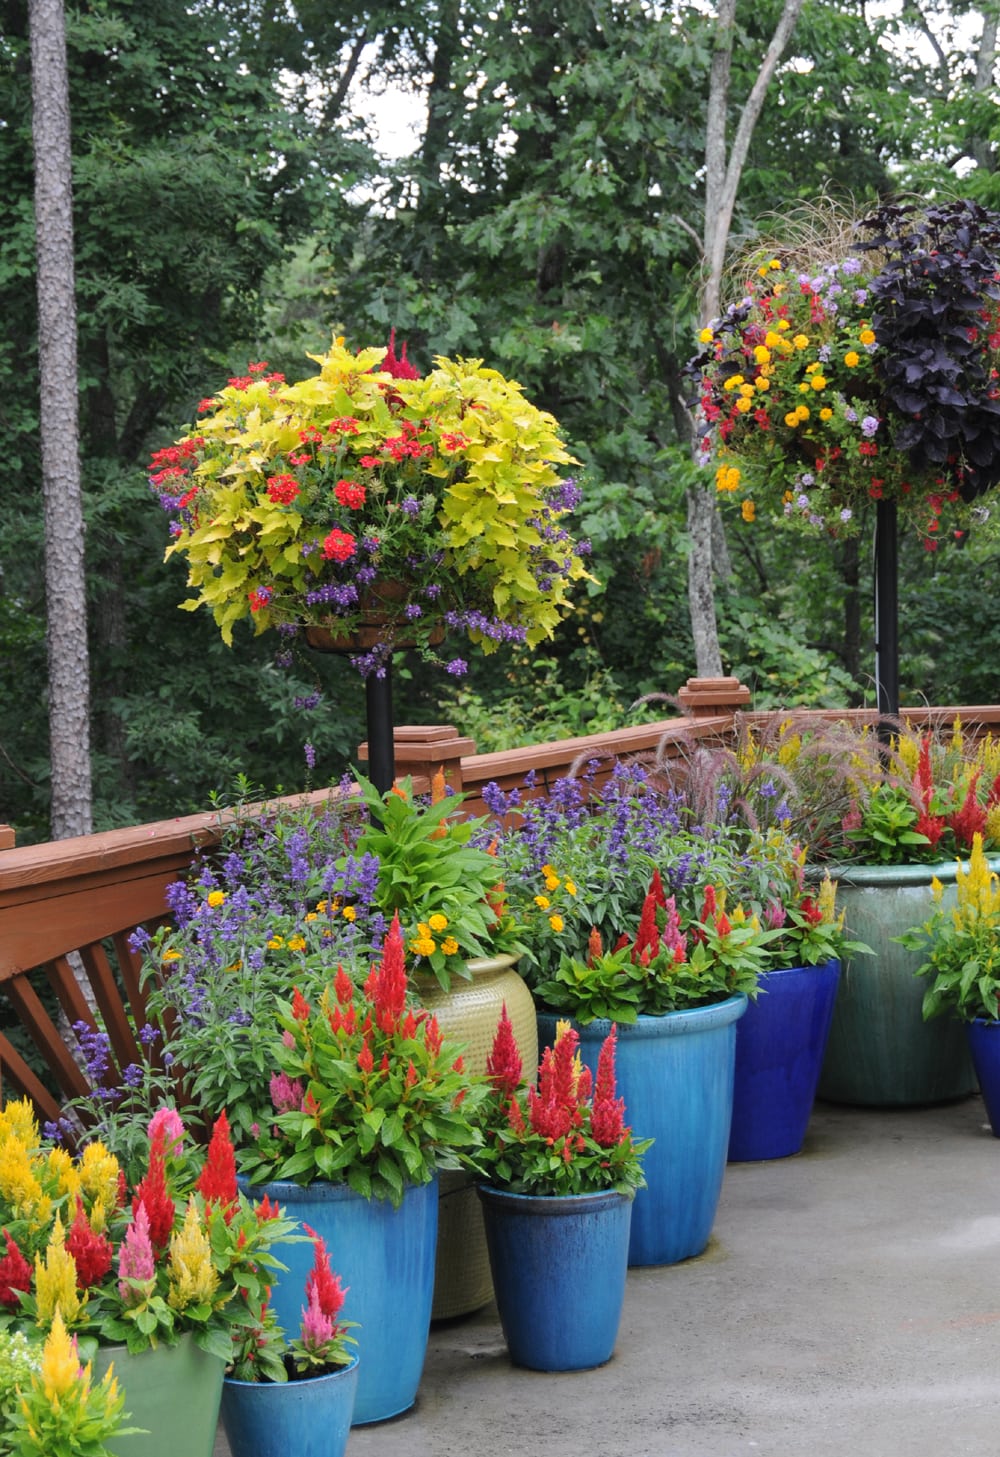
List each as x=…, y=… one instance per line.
x=826, y=413
x=867, y=336
x=449, y=946
x=801, y=341
x=818, y=382
x=852, y=359
x=556, y=922
x=216, y=897
x=748, y=510
x=437, y=922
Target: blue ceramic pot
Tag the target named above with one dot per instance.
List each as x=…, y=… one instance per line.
x=558, y=1264
x=310, y=1418
x=779, y=1052
x=385, y=1258
x=675, y=1073
x=983, y=1037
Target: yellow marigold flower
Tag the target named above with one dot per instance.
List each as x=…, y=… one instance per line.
x=570, y=887
x=747, y=390
x=763, y=383
x=297, y=943
x=867, y=336
x=171, y=954
x=55, y=1280
x=732, y=383
x=812, y=368
x=791, y=419
x=438, y=922
x=557, y=923
x=705, y=336
x=783, y=324
x=727, y=478
x=801, y=341
x=322, y=907
x=543, y=902
x=548, y=869
x=216, y=897
x=744, y=405
x=275, y=943
x=852, y=359
x=774, y=263
x=349, y=913
x=192, y=1278
x=311, y=916
x=449, y=946
x=818, y=382
x=802, y=411
x=762, y=354
x=60, y=1362
x=803, y=386
x=771, y=340
x=748, y=510
x=826, y=413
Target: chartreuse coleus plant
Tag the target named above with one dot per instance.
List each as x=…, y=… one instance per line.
x=295, y=504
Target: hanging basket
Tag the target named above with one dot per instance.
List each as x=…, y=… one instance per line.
x=381, y=621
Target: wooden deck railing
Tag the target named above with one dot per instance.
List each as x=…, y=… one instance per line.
x=64, y=905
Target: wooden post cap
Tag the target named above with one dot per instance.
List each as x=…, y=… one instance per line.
x=704, y=697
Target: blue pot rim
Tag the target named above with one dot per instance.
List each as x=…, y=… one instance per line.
x=287, y=1191
x=987, y=1023
x=668, y=1024
x=340, y=1371
x=887, y=876
x=818, y=966
x=551, y=1204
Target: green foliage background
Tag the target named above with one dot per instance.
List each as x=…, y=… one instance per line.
x=231, y=203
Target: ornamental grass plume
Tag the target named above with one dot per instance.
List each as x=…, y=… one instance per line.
x=564, y=1134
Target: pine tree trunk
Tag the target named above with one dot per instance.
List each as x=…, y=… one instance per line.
x=69, y=687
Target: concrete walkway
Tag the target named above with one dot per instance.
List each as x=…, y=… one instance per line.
x=848, y=1305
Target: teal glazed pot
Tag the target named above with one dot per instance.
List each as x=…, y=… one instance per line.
x=779, y=1052
x=675, y=1073
x=559, y=1264
x=171, y=1393
x=385, y=1258
x=983, y=1036
x=881, y=1053
x=310, y=1418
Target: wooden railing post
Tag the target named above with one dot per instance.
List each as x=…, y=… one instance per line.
x=422, y=749
x=6, y=837
x=707, y=697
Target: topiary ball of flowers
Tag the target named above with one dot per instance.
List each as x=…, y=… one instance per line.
x=368, y=492
x=867, y=374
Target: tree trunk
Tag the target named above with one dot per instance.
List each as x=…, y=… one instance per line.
x=723, y=170
x=69, y=686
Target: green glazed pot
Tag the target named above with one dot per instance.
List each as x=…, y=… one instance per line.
x=173, y=1393
x=881, y=1053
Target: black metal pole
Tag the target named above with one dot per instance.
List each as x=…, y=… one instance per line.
x=886, y=611
x=381, y=751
